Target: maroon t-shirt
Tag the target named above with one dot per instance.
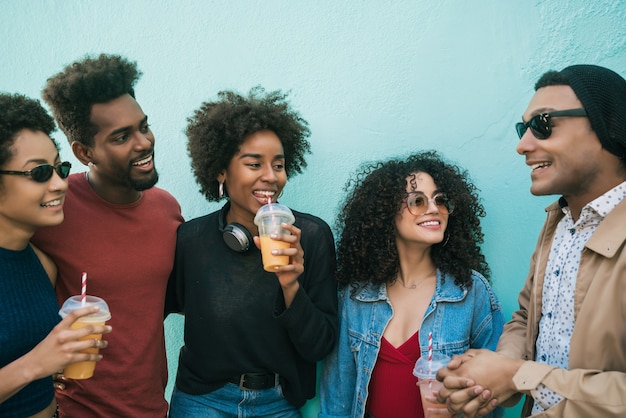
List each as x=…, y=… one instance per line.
x=127, y=252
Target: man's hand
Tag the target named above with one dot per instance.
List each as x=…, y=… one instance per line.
x=477, y=381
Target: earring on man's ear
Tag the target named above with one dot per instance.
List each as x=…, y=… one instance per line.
x=220, y=190
x=89, y=164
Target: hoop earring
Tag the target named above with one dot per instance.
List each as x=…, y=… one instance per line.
x=446, y=238
x=220, y=190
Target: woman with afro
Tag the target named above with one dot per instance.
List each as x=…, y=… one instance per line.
x=409, y=264
x=252, y=337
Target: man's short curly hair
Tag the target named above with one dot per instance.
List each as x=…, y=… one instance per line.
x=218, y=128
x=366, y=248
x=19, y=112
x=72, y=92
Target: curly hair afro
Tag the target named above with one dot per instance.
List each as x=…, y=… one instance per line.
x=19, y=112
x=218, y=128
x=72, y=92
x=367, y=252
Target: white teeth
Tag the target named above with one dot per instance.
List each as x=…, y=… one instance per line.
x=430, y=223
x=144, y=161
x=533, y=167
x=264, y=193
x=52, y=203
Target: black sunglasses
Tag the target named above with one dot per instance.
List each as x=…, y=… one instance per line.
x=43, y=172
x=541, y=125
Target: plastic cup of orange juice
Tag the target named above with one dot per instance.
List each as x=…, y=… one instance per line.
x=269, y=218
x=85, y=369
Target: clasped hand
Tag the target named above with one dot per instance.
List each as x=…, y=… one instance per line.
x=476, y=382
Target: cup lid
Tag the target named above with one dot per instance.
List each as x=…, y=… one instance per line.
x=274, y=210
x=425, y=369
x=75, y=302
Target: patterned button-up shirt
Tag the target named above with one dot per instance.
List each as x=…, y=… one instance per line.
x=557, y=314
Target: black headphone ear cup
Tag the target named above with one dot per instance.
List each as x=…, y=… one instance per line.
x=237, y=237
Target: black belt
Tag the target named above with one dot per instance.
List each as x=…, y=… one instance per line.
x=255, y=381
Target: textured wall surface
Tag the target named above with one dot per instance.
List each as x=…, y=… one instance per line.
x=374, y=79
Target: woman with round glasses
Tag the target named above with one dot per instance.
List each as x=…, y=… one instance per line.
x=34, y=342
x=409, y=264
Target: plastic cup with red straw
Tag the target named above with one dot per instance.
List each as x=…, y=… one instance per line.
x=425, y=370
x=85, y=369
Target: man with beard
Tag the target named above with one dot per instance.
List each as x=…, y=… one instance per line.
x=118, y=229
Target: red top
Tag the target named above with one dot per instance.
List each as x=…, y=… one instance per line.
x=393, y=391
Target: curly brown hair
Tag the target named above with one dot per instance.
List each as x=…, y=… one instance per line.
x=72, y=92
x=366, y=249
x=19, y=112
x=218, y=128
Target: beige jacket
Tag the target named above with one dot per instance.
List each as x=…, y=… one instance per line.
x=595, y=384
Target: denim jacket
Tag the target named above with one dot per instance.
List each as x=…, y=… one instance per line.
x=459, y=319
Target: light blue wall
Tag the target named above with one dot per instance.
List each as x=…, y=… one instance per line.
x=373, y=78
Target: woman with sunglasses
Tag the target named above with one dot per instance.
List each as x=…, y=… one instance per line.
x=409, y=264
x=252, y=337
x=34, y=341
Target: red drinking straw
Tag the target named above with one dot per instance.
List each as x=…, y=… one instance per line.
x=83, y=291
x=430, y=349
x=430, y=355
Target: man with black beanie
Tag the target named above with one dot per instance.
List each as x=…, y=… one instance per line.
x=565, y=348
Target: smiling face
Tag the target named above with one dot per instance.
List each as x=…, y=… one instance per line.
x=255, y=173
x=123, y=151
x=571, y=162
x=423, y=230
x=25, y=204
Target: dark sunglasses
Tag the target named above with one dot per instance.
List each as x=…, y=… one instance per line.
x=541, y=125
x=43, y=172
x=417, y=203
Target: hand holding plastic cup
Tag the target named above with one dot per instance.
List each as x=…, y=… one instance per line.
x=269, y=218
x=85, y=369
x=426, y=372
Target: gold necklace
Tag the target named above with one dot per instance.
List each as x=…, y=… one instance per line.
x=419, y=282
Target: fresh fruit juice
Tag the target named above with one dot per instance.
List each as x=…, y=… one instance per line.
x=269, y=260
x=83, y=369
x=426, y=389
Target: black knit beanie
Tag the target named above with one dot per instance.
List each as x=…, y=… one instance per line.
x=603, y=95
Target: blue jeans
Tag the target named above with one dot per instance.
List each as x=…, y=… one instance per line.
x=229, y=402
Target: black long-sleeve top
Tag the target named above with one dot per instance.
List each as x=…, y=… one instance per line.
x=235, y=316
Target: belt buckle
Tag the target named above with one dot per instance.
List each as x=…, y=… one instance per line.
x=242, y=380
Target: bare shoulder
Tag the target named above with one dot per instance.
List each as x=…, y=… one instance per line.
x=48, y=264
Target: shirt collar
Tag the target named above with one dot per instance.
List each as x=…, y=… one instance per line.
x=600, y=206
